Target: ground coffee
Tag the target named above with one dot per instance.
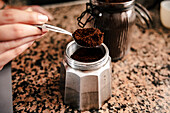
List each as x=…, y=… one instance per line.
x=88, y=54
x=89, y=37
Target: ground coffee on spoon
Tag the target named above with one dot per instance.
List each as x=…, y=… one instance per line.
x=88, y=37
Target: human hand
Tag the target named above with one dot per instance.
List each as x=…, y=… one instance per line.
x=17, y=32
x=35, y=8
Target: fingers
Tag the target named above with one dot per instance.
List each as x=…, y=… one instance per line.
x=16, y=31
x=4, y=46
x=42, y=11
x=10, y=16
x=11, y=54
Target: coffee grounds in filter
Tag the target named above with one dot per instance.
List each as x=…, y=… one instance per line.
x=88, y=54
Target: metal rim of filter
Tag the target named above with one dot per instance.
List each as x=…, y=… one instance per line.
x=83, y=65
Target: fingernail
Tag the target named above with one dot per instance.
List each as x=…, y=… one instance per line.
x=42, y=18
x=1, y=68
x=30, y=43
x=51, y=17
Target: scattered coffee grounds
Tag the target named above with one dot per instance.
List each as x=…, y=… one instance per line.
x=87, y=54
x=89, y=37
x=112, y=1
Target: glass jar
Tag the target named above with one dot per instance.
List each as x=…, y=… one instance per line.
x=115, y=19
x=87, y=85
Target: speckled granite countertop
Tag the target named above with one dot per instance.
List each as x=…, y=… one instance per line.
x=140, y=81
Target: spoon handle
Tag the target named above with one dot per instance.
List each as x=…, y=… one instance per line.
x=54, y=28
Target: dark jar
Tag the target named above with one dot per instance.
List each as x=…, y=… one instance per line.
x=116, y=20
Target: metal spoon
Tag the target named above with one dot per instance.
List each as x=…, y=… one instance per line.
x=60, y=30
x=54, y=28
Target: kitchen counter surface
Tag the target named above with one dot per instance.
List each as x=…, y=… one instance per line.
x=140, y=81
